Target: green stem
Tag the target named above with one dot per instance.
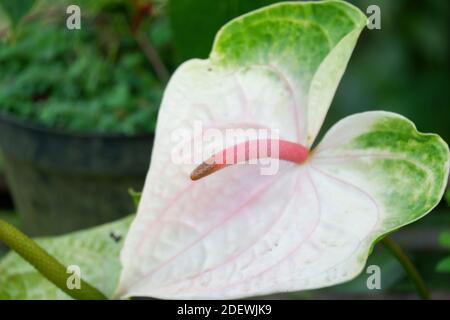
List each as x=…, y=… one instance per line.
x=409, y=267
x=47, y=265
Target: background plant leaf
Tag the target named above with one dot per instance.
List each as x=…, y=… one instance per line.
x=135, y=195
x=95, y=251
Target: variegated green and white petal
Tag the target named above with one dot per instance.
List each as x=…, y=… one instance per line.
x=276, y=68
x=94, y=251
x=306, y=46
x=311, y=226
x=376, y=173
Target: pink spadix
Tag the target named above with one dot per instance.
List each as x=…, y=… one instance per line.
x=250, y=150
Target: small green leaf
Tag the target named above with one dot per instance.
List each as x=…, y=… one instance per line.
x=135, y=195
x=95, y=251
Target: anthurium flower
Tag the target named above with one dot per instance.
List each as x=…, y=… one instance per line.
x=236, y=232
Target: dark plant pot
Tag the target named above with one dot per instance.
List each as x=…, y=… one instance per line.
x=62, y=182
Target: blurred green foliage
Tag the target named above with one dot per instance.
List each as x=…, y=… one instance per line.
x=92, y=80
x=401, y=68
x=15, y=10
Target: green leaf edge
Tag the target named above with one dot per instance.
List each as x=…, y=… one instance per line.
x=440, y=141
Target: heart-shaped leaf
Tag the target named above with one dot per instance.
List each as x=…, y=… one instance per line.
x=238, y=233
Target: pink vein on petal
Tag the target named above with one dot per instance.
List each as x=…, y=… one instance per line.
x=374, y=202
x=242, y=96
x=295, y=105
x=156, y=222
x=360, y=190
x=295, y=249
x=243, y=205
x=179, y=194
x=258, y=239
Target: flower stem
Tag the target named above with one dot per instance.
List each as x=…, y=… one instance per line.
x=46, y=264
x=409, y=267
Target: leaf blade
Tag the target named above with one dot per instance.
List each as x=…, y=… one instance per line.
x=95, y=251
x=384, y=157
x=175, y=235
